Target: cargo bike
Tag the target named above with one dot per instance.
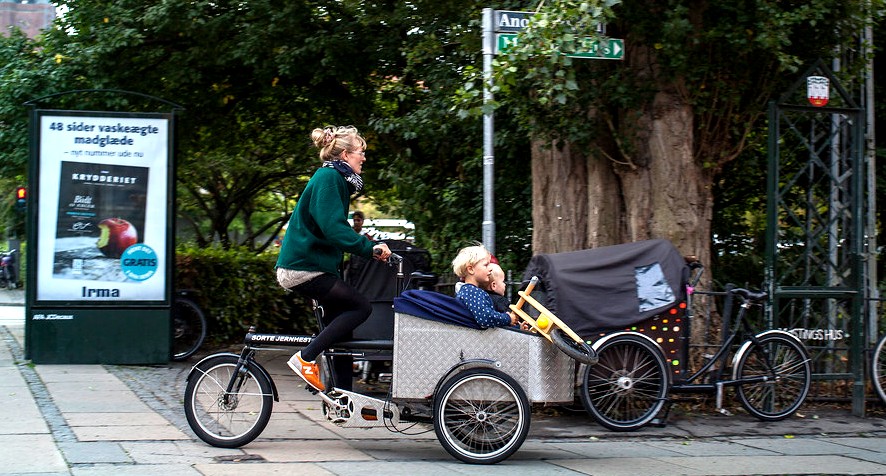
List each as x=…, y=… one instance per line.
x=474, y=386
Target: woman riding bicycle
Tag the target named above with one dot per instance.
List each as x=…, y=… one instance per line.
x=317, y=237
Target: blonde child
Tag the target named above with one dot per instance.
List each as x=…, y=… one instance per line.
x=472, y=265
x=496, y=288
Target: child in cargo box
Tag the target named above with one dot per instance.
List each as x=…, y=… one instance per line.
x=472, y=265
x=496, y=288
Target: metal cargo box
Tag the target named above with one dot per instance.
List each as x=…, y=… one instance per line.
x=425, y=350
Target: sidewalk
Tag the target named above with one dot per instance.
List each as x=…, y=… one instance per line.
x=128, y=420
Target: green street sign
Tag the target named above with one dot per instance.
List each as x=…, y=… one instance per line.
x=589, y=47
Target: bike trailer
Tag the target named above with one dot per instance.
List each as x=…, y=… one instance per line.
x=610, y=287
x=433, y=344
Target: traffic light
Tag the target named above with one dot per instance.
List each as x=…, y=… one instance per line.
x=21, y=198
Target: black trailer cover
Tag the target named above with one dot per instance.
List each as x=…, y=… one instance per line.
x=610, y=287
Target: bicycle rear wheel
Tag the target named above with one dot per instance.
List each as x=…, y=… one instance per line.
x=878, y=369
x=227, y=419
x=481, y=416
x=779, y=372
x=188, y=328
x=628, y=386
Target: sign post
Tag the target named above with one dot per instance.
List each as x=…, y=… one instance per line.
x=500, y=28
x=488, y=134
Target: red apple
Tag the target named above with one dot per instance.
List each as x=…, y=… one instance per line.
x=117, y=235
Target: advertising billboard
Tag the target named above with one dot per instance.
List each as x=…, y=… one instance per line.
x=102, y=214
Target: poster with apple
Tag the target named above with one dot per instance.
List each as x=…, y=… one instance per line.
x=102, y=229
x=101, y=213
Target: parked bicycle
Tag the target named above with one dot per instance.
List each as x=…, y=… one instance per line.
x=188, y=326
x=878, y=368
x=646, y=362
x=8, y=269
x=770, y=371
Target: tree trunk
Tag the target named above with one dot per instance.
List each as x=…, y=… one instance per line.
x=584, y=200
x=560, y=183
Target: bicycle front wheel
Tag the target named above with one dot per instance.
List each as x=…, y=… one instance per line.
x=581, y=352
x=878, y=369
x=222, y=418
x=188, y=328
x=628, y=386
x=776, y=374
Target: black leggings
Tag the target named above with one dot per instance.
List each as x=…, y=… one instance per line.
x=344, y=309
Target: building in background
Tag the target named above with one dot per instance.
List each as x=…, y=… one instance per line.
x=30, y=16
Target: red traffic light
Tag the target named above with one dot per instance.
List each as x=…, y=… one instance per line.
x=21, y=193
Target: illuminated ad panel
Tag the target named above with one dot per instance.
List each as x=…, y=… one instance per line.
x=102, y=206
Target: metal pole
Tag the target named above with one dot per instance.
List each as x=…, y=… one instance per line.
x=870, y=153
x=488, y=134
x=870, y=267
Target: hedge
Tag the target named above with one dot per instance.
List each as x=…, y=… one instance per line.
x=236, y=289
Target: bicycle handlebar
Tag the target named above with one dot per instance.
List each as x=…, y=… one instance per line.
x=754, y=296
x=393, y=258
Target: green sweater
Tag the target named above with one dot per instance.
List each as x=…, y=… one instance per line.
x=318, y=232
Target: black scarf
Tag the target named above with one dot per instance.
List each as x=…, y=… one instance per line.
x=355, y=182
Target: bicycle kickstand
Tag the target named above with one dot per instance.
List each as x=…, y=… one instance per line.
x=661, y=420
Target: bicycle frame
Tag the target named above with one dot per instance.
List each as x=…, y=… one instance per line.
x=255, y=341
x=740, y=327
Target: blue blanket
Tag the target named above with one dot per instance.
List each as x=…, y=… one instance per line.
x=434, y=306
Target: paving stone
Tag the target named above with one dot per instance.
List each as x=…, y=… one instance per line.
x=93, y=452
x=34, y=425
x=712, y=448
x=447, y=468
x=135, y=470
x=305, y=451
x=128, y=433
x=737, y=465
x=628, y=467
x=115, y=419
x=613, y=449
x=803, y=446
x=24, y=454
x=253, y=469
x=176, y=452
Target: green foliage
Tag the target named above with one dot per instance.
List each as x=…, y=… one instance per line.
x=726, y=59
x=738, y=248
x=435, y=165
x=28, y=69
x=255, y=78
x=237, y=288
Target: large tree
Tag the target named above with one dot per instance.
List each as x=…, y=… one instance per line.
x=630, y=150
x=622, y=150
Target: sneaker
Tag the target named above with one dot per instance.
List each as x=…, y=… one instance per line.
x=309, y=371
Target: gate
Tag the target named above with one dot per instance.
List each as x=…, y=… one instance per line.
x=815, y=226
